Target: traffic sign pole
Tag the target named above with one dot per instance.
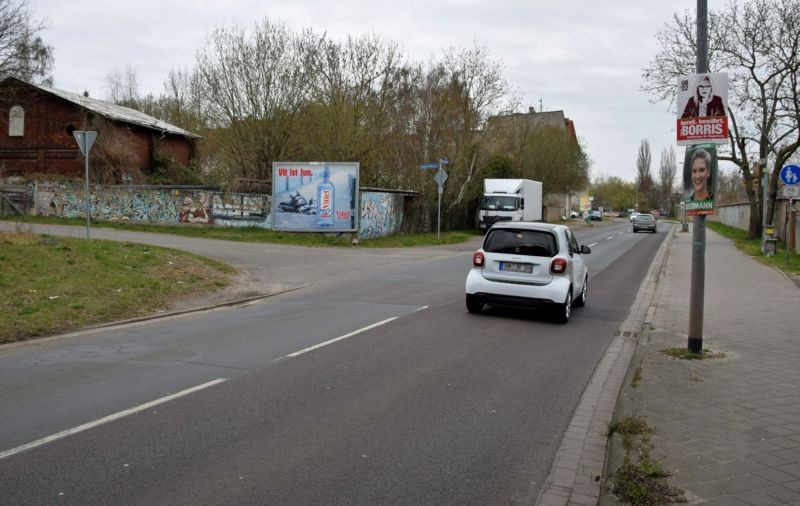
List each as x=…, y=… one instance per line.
x=440, y=178
x=85, y=141
x=790, y=175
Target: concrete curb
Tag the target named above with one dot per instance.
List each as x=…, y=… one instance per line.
x=576, y=476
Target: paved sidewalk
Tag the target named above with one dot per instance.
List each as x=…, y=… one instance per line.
x=728, y=428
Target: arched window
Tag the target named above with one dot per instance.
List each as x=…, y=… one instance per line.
x=16, y=121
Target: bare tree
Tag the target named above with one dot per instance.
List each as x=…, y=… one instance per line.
x=122, y=86
x=253, y=83
x=666, y=176
x=758, y=44
x=644, y=178
x=23, y=53
x=476, y=89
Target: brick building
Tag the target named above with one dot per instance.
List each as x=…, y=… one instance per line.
x=36, y=125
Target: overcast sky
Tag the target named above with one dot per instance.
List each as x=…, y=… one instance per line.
x=580, y=56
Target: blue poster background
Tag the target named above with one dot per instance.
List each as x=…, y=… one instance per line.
x=294, y=196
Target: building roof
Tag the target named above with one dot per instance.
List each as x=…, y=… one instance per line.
x=534, y=120
x=110, y=111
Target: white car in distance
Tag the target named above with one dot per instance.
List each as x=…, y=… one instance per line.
x=529, y=265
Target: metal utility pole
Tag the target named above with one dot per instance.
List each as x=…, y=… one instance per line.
x=697, y=291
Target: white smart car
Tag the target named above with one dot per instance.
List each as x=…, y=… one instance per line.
x=537, y=265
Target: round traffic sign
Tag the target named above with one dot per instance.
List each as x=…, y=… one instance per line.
x=790, y=174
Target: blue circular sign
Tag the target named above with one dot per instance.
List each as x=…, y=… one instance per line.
x=790, y=175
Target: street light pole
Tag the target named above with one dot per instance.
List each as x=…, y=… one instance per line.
x=698, y=279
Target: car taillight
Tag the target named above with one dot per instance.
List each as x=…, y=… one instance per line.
x=558, y=266
x=478, y=259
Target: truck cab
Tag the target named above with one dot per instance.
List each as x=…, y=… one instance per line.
x=500, y=207
x=510, y=200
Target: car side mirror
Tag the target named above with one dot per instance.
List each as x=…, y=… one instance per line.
x=585, y=250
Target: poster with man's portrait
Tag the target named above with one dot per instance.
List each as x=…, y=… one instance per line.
x=702, y=109
x=700, y=179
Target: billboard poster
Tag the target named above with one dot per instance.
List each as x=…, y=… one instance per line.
x=315, y=196
x=700, y=179
x=702, y=109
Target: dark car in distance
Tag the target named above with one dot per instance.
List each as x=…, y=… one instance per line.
x=644, y=222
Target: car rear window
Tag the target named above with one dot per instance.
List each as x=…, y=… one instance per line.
x=522, y=242
x=644, y=217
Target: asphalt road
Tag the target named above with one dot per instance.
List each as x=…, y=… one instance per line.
x=432, y=405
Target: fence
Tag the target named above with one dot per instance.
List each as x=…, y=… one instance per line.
x=14, y=200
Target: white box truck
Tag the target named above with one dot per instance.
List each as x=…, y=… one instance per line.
x=510, y=200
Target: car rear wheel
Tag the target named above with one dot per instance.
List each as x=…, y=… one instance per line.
x=581, y=300
x=473, y=306
x=561, y=312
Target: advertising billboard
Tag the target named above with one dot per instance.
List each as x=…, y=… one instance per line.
x=700, y=179
x=315, y=196
x=702, y=109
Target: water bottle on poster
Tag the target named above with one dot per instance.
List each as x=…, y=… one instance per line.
x=326, y=197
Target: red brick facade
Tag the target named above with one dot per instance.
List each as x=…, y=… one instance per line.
x=46, y=144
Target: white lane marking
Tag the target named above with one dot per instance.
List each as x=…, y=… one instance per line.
x=351, y=334
x=335, y=339
x=609, y=238
x=106, y=419
x=593, y=244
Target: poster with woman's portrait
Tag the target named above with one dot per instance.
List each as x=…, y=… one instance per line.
x=702, y=108
x=699, y=179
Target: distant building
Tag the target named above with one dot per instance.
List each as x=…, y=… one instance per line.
x=520, y=123
x=511, y=129
x=36, y=125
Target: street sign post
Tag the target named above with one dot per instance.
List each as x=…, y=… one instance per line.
x=440, y=178
x=790, y=175
x=85, y=141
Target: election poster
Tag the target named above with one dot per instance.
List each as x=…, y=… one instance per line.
x=702, y=109
x=700, y=179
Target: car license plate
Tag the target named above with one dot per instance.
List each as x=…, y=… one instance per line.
x=516, y=267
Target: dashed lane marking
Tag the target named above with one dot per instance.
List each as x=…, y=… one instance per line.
x=106, y=419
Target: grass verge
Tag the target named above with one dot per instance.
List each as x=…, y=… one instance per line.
x=752, y=247
x=685, y=354
x=255, y=234
x=51, y=284
x=641, y=479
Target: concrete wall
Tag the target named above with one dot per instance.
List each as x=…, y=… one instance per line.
x=738, y=216
x=123, y=203
x=553, y=213
x=734, y=215
x=381, y=213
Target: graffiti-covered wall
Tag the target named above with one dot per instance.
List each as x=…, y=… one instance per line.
x=131, y=203
x=241, y=210
x=381, y=214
